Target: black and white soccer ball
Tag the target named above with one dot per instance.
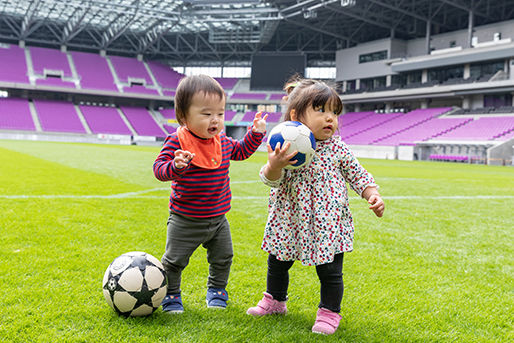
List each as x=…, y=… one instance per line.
x=134, y=284
x=299, y=136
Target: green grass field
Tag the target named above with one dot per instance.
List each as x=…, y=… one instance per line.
x=438, y=267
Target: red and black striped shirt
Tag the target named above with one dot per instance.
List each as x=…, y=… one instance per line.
x=199, y=192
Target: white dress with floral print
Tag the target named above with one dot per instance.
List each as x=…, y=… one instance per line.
x=309, y=217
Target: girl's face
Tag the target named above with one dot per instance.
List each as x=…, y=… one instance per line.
x=205, y=117
x=321, y=120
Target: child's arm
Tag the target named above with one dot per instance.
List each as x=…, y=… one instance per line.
x=259, y=122
x=171, y=162
x=277, y=160
x=375, y=200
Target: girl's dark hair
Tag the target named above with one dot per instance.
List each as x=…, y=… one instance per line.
x=188, y=87
x=311, y=93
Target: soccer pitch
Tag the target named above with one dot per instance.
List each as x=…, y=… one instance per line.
x=438, y=267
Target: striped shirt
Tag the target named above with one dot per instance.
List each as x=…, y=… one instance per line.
x=199, y=192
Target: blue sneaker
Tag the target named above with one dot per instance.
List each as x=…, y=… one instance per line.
x=217, y=298
x=172, y=303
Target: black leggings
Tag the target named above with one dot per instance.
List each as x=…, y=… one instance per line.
x=330, y=276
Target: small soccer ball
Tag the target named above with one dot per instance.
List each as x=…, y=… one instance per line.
x=300, y=138
x=134, y=284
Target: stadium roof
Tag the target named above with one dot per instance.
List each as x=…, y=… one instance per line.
x=191, y=31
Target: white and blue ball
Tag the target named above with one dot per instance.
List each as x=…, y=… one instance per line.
x=300, y=138
x=134, y=284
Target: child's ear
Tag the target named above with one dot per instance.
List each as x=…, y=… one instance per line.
x=293, y=115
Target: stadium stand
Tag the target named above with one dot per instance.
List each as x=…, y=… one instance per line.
x=482, y=129
x=93, y=71
x=427, y=130
x=14, y=65
x=51, y=61
x=57, y=116
x=142, y=122
x=249, y=96
x=106, y=120
x=15, y=115
x=168, y=113
x=228, y=83
x=130, y=69
x=165, y=76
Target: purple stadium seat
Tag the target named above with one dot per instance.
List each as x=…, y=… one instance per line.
x=229, y=115
x=484, y=128
x=168, y=113
x=227, y=82
x=351, y=117
x=248, y=117
x=277, y=96
x=142, y=121
x=170, y=128
x=14, y=57
x=105, y=120
x=424, y=131
x=130, y=69
x=49, y=60
x=249, y=96
x=57, y=116
x=165, y=76
x=274, y=117
x=15, y=115
x=166, y=92
x=93, y=71
x=365, y=131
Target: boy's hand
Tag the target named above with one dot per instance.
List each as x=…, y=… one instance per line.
x=182, y=158
x=377, y=204
x=259, y=122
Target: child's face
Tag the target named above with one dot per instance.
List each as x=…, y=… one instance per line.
x=205, y=117
x=322, y=121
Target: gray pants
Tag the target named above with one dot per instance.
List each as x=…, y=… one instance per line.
x=185, y=234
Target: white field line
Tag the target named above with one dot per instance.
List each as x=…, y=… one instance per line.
x=140, y=195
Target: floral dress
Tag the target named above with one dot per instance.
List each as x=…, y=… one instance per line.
x=309, y=217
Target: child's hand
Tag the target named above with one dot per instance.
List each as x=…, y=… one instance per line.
x=182, y=158
x=279, y=158
x=259, y=122
x=377, y=204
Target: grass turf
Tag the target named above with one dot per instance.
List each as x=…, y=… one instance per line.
x=438, y=267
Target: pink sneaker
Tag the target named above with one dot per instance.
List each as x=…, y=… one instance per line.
x=268, y=305
x=326, y=322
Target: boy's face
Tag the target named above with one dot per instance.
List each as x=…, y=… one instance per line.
x=205, y=117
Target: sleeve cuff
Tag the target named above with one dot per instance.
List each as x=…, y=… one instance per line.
x=270, y=183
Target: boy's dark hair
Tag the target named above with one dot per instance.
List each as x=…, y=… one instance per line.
x=311, y=93
x=188, y=87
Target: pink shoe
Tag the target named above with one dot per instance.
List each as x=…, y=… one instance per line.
x=268, y=305
x=326, y=322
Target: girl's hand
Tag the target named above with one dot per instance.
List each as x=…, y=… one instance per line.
x=278, y=159
x=182, y=158
x=377, y=204
x=259, y=122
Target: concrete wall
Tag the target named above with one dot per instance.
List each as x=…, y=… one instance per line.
x=380, y=152
x=502, y=154
x=349, y=68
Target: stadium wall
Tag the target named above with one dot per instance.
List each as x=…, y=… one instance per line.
x=499, y=155
x=349, y=68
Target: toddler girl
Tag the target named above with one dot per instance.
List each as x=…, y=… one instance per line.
x=309, y=217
